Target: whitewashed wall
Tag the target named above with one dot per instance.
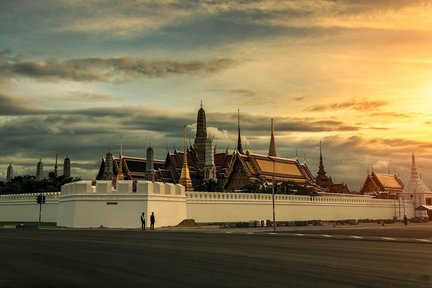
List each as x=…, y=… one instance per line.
x=235, y=207
x=81, y=205
x=23, y=207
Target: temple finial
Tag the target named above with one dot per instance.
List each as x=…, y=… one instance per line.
x=185, y=179
x=239, y=144
x=272, y=148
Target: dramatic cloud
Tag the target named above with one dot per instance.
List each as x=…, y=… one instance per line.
x=110, y=69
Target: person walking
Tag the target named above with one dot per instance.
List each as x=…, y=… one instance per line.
x=152, y=221
x=406, y=220
x=143, y=219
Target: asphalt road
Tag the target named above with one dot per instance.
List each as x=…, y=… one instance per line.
x=92, y=258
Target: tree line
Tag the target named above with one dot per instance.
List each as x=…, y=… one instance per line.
x=29, y=184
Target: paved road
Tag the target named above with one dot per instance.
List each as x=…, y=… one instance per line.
x=71, y=258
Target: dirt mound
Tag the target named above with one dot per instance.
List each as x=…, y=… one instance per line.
x=187, y=223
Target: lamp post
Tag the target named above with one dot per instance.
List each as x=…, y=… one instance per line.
x=273, y=196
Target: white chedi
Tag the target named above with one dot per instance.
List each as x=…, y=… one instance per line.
x=416, y=188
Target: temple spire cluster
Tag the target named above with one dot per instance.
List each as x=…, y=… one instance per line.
x=200, y=163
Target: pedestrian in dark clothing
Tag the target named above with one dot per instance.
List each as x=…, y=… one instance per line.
x=152, y=221
x=143, y=219
x=406, y=220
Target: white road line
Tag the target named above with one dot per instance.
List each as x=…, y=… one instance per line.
x=299, y=234
x=250, y=233
x=356, y=237
x=327, y=236
x=424, y=240
x=388, y=238
x=273, y=233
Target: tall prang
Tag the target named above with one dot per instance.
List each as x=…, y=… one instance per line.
x=201, y=137
x=239, y=144
x=108, y=169
x=185, y=179
x=150, y=171
x=9, y=173
x=39, y=171
x=272, y=148
x=322, y=179
x=210, y=167
x=67, y=167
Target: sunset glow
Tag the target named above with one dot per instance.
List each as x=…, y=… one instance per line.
x=77, y=75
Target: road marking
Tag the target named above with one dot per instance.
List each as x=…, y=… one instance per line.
x=228, y=232
x=388, y=238
x=299, y=234
x=356, y=237
x=273, y=233
x=327, y=236
x=424, y=240
x=250, y=233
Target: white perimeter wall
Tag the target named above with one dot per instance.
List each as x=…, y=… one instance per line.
x=23, y=207
x=238, y=207
x=81, y=205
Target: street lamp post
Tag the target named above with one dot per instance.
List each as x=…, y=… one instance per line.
x=273, y=196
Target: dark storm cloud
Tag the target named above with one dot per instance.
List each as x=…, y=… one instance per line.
x=110, y=69
x=364, y=105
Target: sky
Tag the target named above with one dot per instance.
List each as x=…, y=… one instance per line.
x=76, y=76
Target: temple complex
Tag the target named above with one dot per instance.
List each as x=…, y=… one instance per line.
x=233, y=171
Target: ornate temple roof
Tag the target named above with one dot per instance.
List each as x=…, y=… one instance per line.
x=379, y=184
x=264, y=168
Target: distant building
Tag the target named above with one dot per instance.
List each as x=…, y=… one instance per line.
x=386, y=186
x=9, y=173
x=39, y=171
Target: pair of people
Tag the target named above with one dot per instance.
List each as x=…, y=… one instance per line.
x=143, y=221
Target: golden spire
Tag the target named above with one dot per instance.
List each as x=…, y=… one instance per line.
x=120, y=172
x=272, y=148
x=185, y=179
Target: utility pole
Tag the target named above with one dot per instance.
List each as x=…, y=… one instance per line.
x=273, y=196
x=40, y=208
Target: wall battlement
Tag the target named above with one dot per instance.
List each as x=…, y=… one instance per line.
x=122, y=187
